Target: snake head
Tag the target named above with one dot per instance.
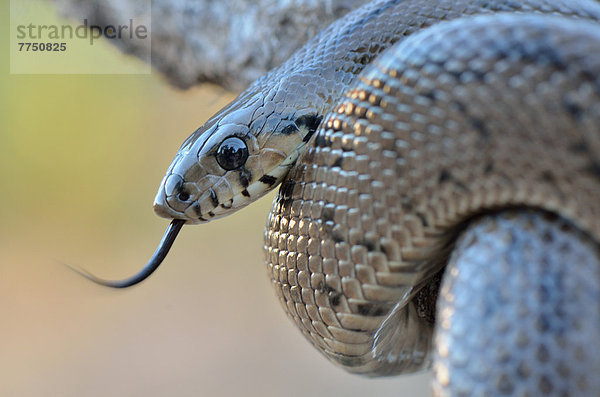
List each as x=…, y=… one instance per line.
x=236, y=157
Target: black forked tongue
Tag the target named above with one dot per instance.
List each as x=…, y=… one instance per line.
x=159, y=255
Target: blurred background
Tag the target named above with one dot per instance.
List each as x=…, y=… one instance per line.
x=81, y=158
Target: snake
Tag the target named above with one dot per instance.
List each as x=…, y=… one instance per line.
x=439, y=164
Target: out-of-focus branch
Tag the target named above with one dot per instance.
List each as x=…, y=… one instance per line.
x=227, y=42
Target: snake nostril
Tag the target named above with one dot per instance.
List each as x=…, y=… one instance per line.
x=183, y=196
x=173, y=185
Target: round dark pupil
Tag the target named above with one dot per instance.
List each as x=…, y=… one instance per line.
x=232, y=153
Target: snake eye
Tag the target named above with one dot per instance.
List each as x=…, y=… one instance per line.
x=232, y=153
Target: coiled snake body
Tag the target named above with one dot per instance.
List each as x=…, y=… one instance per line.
x=461, y=162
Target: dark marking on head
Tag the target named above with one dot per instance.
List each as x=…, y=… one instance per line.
x=245, y=177
x=308, y=136
x=309, y=122
x=227, y=206
x=245, y=193
x=211, y=214
x=213, y=197
x=196, y=208
x=289, y=129
x=268, y=179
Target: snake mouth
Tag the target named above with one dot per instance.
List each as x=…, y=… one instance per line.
x=194, y=207
x=164, y=210
x=217, y=196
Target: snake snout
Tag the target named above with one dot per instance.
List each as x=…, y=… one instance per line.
x=160, y=208
x=172, y=198
x=199, y=201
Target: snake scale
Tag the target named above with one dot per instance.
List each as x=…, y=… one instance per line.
x=440, y=199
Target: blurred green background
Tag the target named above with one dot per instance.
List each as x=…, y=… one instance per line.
x=81, y=158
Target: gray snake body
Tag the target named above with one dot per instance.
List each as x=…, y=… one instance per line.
x=341, y=267
x=473, y=143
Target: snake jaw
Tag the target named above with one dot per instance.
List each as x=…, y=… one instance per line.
x=213, y=197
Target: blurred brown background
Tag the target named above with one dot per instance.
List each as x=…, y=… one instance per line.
x=81, y=158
